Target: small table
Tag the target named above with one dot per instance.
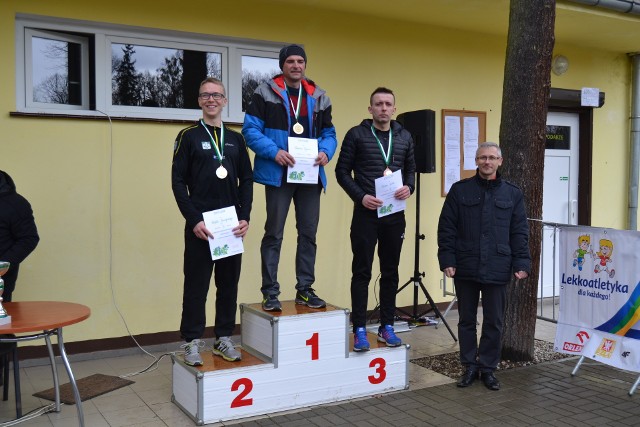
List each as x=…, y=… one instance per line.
x=48, y=317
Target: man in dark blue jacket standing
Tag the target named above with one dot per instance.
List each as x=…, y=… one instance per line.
x=18, y=232
x=483, y=239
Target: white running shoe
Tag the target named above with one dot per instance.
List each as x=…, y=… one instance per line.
x=224, y=348
x=192, y=352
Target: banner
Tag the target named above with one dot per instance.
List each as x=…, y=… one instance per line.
x=599, y=274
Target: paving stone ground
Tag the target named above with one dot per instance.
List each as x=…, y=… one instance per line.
x=544, y=394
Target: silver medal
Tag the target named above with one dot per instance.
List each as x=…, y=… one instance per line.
x=387, y=172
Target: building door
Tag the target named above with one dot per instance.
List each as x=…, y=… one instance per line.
x=560, y=191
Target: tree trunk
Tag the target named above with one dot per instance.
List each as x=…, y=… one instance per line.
x=525, y=97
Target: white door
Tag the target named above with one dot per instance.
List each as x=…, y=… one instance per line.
x=560, y=192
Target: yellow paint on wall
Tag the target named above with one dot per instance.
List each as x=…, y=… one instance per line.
x=102, y=196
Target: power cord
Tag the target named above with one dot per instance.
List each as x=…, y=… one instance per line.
x=154, y=365
x=30, y=415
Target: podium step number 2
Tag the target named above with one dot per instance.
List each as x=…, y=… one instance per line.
x=296, y=358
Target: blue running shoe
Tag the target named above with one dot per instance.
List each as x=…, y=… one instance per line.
x=387, y=335
x=360, y=342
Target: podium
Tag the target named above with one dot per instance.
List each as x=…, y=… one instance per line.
x=295, y=358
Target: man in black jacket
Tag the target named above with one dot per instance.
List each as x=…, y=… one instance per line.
x=211, y=170
x=369, y=151
x=483, y=239
x=18, y=232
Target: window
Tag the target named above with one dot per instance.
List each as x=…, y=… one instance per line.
x=255, y=70
x=72, y=67
x=58, y=72
x=160, y=77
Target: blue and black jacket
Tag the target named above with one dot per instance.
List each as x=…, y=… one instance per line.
x=267, y=123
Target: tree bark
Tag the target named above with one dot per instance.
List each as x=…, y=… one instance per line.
x=527, y=83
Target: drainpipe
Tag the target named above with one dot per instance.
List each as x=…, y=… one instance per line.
x=624, y=6
x=632, y=7
x=635, y=141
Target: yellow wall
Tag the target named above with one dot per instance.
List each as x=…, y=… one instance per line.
x=101, y=193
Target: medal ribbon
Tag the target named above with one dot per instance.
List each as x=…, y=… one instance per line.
x=295, y=109
x=385, y=156
x=220, y=150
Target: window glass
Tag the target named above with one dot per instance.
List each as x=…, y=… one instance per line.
x=160, y=77
x=256, y=70
x=56, y=71
x=75, y=67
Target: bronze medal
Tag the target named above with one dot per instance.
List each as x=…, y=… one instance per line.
x=387, y=172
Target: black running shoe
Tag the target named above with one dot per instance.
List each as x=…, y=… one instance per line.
x=309, y=298
x=271, y=303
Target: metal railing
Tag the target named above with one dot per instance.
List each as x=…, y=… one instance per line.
x=548, y=296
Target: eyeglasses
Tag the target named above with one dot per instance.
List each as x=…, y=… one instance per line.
x=490, y=158
x=215, y=95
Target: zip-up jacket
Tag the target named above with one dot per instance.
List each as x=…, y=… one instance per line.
x=267, y=123
x=361, y=162
x=195, y=185
x=483, y=231
x=18, y=231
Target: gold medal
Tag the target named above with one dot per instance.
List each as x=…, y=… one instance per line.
x=298, y=128
x=387, y=172
x=221, y=172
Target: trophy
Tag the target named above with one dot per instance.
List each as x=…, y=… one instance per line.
x=4, y=317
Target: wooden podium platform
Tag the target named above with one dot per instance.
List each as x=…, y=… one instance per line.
x=292, y=359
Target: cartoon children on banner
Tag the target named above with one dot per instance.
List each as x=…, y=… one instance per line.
x=584, y=247
x=606, y=250
x=602, y=257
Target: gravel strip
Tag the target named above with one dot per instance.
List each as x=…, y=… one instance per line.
x=449, y=363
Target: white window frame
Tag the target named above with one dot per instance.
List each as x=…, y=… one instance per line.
x=231, y=49
x=236, y=73
x=167, y=113
x=28, y=74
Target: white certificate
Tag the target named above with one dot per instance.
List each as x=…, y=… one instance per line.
x=305, y=151
x=386, y=186
x=220, y=222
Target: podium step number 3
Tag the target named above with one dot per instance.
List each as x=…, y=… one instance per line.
x=296, y=358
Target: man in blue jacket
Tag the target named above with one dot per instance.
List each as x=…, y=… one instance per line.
x=289, y=105
x=483, y=241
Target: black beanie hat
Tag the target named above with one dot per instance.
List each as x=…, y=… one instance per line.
x=292, y=49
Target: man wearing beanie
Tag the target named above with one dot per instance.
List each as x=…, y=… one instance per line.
x=289, y=105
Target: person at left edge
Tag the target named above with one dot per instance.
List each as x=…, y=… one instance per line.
x=18, y=231
x=211, y=170
x=289, y=105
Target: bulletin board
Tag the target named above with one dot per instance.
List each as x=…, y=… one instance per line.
x=462, y=132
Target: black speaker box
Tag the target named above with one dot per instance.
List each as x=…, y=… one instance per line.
x=422, y=126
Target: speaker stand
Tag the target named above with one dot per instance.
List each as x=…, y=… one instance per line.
x=416, y=279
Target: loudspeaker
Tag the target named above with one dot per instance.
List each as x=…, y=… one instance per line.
x=421, y=125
